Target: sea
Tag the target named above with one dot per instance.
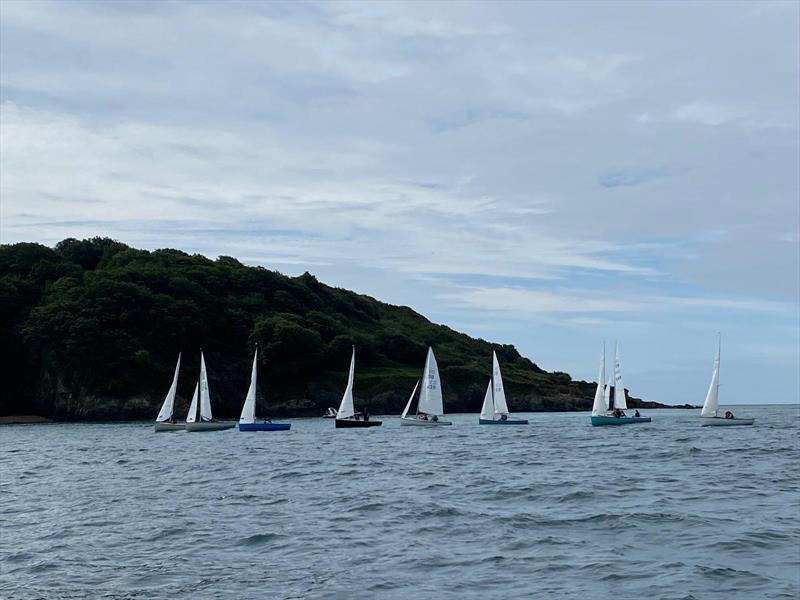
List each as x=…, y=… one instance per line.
x=556, y=509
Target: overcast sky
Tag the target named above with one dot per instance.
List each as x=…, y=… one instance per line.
x=546, y=175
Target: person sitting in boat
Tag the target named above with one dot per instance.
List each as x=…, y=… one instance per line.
x=618, y=413
x=423, y=417
x=435, y=418
x=267, y=420
x=636, y=414
x=728, y=414
x=366, y=414
x=504, y=417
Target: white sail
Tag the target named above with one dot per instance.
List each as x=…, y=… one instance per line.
x=165, y=414
x=410, y=400
x=619, y=386
x=498, y=391
x=190, y=418
x=487, y=410
x=607, y=396
x=346, y=409
x=430, y=396
x=205, y=396
x=249, y=408
x=600, y=405
x=712, y=398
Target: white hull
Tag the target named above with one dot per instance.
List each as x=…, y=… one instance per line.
x=167, y=426
x=722, y=422
x=210, y=425
x=420, y=423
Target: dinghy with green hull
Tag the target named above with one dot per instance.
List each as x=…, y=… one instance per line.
x=609, y=401
x=200, y=417
x=495, y=408
x=708, y=416
x=430, y=406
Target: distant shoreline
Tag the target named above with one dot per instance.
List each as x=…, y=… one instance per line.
x=24, y=420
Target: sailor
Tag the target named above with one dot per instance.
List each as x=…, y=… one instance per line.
x=503, y=417
x=636, y=414
x=423, y=417
x=435, y=418
x=728, y=414
x=366, y=414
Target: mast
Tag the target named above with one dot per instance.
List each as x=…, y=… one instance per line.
x=199, y=416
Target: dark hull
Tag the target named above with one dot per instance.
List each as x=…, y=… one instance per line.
x=506, y=422
x=264, y=426
x=353, y=423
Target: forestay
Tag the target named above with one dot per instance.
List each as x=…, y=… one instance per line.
x=346, y=409
x=169, y=402
x=430, y=396
x=498, y=391
x=712, y=398
x=600, y=402
x=249, y=409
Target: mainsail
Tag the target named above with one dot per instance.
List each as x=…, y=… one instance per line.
x=430, y=396
x=619, y=387
x=600, y=402
x=498, y=391
x=712, y=398
x=346, y=409
x=190, y=418
x=249, y=409
x=165, y=414
x=205, y=396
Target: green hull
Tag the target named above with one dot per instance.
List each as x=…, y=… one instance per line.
x=598, y=421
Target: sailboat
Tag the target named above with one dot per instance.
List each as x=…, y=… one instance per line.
x=330, y=413
x=495, y=410
x=430, y=407
x=199, y=417
x=607, y=404
x=247, y=421
x=165, y=421
x=708, y=416
x=346, y=416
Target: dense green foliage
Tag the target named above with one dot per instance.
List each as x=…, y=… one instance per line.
x=92, y=328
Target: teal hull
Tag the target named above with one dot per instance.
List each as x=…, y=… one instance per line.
x=598, y=421
x=506, y=422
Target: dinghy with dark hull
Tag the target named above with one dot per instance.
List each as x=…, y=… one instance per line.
x=708, y=415
x=609, y=401
x=430, y=406
x=494, y=410
x=200, y=417
x=247, y=420
x=165, y=421
x=346, y=416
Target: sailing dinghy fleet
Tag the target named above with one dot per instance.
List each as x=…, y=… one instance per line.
x=428, y=411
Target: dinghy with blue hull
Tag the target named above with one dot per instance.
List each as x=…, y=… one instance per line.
x=247, y=420
x=346, y=416
x=609, y=401
x=264, y=426
x=495, y=408
x=708, y=416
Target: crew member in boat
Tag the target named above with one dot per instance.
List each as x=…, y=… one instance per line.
x=636, y=414
x=504, y=417
x=423, y=416
x=618, y=413
x=728, y=414
x=435, y=418
x=366, y=414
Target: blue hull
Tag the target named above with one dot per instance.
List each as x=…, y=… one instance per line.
x=506, y=422
x=264, y=426
x=597, y=421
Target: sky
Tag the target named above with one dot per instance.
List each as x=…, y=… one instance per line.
x=549, y=175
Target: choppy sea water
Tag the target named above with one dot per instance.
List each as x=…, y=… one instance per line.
x=557, y=509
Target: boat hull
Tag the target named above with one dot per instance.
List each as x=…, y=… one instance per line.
x=264, y=426
x=352, y=423
x=167, y=426
x=210, y=425
x=506, y=422
x=722, y=422
x=602, y=420
x=408, y=421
